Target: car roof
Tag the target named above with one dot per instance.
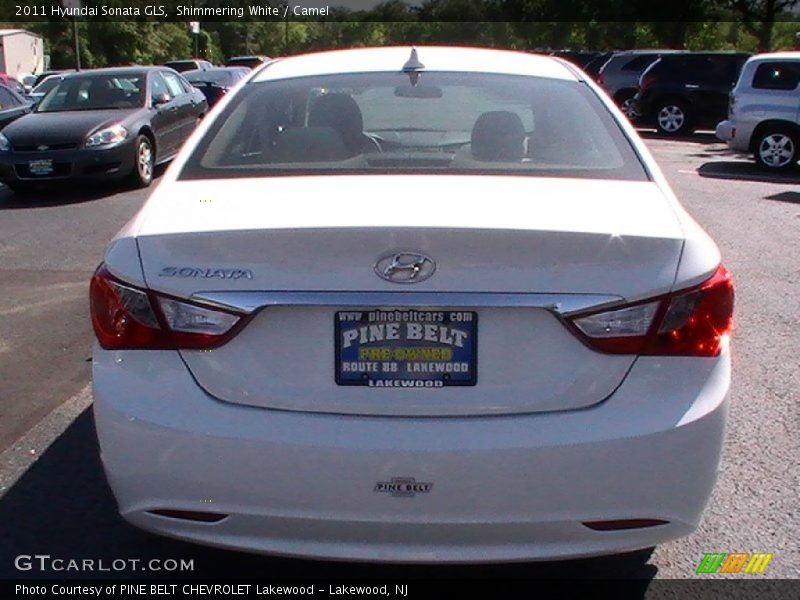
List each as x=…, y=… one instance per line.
x=786, y=55
x=637, y=51
x=214, y=69
x=133, y=70
x=434, y=58
x=678, y=55
x=618, y=58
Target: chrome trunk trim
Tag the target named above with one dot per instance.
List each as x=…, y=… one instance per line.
x=560, y=304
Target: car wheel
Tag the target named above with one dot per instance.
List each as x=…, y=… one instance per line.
x=144, y=162
x=672, y=118
x=777, y=149
x=629, y=108
x=627, y=105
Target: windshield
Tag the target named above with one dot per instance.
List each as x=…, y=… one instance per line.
x=95, y=92
x=216, y=77
x=389, y=122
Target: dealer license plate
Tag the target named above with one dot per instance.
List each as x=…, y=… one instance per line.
x=406, y=348
x=41, y=167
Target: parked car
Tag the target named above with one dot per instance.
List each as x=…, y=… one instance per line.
x=45, y=74
x=189, y=65
x=580, y=58
x=101, y=124
x=12, y=106
x=11, y=83
x=215, y=83
x=763, y=111
x=250, y=61
x=45, y=85
x=682, y=92
x=619, y=76
x=592, y=68
x=420, y=305
x=27, y=80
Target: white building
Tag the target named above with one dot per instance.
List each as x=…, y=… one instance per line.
x=21, y=52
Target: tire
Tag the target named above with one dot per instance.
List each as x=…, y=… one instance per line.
x=626, y=105
x=777, y=149
x=143, y=162
x=673, y=118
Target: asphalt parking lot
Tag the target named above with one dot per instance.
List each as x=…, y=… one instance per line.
x=53, y=495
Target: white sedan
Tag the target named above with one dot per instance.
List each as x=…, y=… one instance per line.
x=413, y=305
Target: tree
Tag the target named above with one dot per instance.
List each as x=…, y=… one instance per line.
x=759, y=16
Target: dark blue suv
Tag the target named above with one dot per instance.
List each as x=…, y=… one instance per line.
x=682, y=92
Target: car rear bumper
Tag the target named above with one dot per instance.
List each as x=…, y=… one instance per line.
x=725, y=131
x=69, y=164
x=736, y=135
x=502, y=488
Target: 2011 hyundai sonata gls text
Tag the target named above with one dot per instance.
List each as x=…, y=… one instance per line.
x=413, y=305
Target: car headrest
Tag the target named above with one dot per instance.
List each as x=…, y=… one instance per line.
x=340, y=112
x=498, y=136
x=308, y=144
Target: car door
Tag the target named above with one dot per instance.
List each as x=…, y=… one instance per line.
x=197, y=102
x=694, y=74
x=165, y=121
x=184, y=103
x=11, y=107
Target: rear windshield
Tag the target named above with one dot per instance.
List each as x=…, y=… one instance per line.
x=433, y=123
x=639, y=63
x=214, y=77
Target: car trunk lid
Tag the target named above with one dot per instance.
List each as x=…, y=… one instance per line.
x=508, y=252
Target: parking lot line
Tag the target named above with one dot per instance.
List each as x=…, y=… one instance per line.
x=26, y=450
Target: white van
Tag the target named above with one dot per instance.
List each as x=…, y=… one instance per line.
x=764, y=111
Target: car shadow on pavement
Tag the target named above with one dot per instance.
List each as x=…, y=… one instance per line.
x=745, y=171
x=699, y=137
x=62, y=507
x=47, y=197
x=790, y=197
x=67, y=193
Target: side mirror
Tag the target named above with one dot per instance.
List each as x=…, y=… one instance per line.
x=160, y=99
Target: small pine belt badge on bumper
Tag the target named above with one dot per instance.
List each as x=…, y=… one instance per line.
x=403, y=487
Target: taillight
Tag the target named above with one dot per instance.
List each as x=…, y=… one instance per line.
x=601, y=79
x=127, y=317
x=693, y=322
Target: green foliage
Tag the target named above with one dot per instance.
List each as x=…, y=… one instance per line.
x=518, y=24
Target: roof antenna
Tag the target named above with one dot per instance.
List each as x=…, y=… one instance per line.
x=412, y=66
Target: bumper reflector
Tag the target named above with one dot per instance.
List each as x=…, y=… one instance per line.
x=189, y=515
x=620, y=524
